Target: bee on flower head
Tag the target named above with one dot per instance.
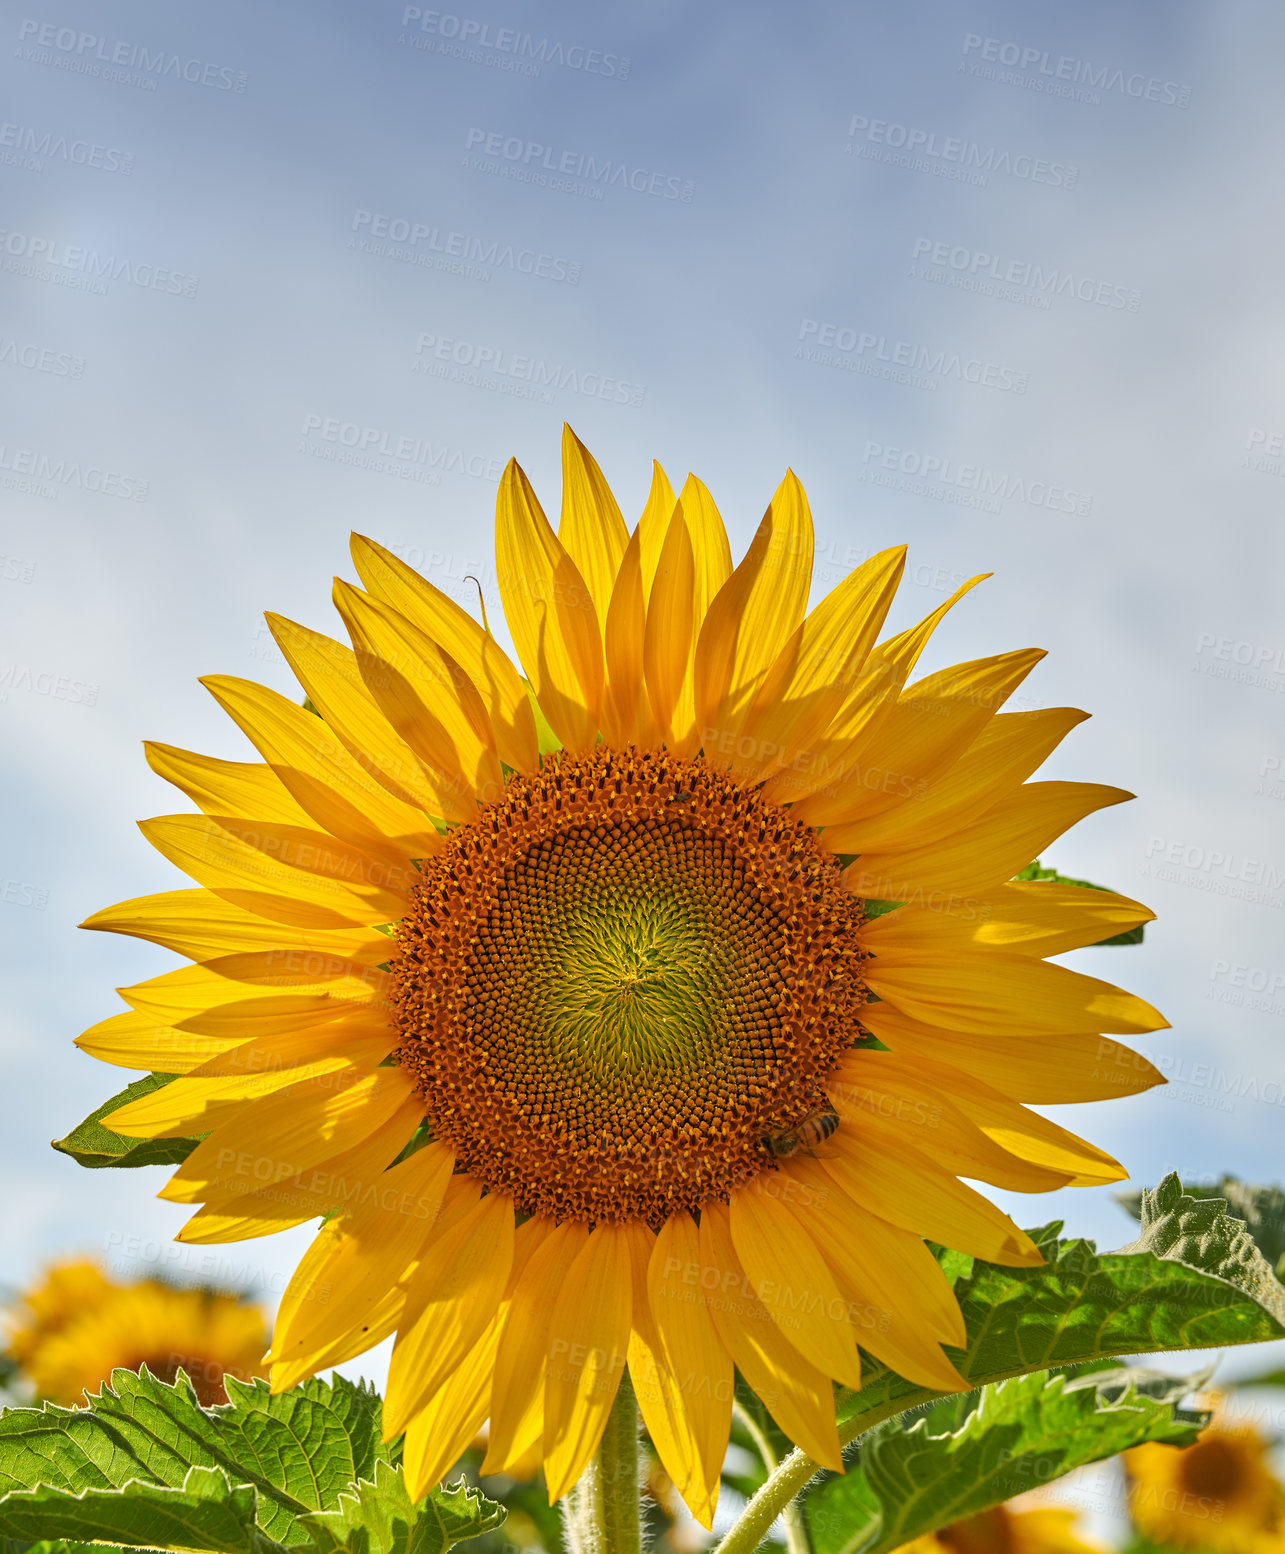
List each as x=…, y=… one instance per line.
x=804, y=1137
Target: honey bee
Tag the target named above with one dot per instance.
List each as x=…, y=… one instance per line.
x=804, y=1137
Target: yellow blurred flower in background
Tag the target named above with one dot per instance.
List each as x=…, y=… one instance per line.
x=1042, y=1530
x=69, y=1332
x=1219, y=1495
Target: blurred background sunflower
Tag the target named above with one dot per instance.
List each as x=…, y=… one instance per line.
x=68, y=1332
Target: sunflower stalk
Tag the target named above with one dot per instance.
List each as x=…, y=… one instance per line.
x=603, y=1513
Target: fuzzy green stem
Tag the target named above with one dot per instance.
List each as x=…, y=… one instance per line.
x=796, y=1532
x=603, y=1513
x=789, y=1479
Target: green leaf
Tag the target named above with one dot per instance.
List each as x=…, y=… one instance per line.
x=1192, y=1280
x=1261, y=1208
x=1017, y=1434
x=299, y=1451
x=206, y=1511
x=95, y=1146
x=1033, y=871
x=379, y=1518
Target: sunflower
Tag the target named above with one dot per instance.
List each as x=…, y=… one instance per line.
x=1001, y=1530
x=73, y=1329
x=640, y=1013
x=1218, y=1496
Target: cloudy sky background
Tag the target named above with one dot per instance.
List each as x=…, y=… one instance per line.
x=738, y=320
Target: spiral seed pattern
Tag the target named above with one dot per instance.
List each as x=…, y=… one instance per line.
x=620, y=978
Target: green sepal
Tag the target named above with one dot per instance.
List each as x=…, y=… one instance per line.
x=94, y=1146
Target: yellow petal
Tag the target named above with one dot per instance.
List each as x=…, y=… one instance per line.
x=328, y=783
x=653, y=525
x=449, y=1302
x=688, y=1406
x=137, y=1040
x=670, y=638
x=329, y=673
x=517, y=1407
x=587, y=1345
x=924, y=734
x=440, y=1433
x=791, y=1278
x=203, y=926
x=626, y=712
x=338, y=1182
x=191, y=1106
x=986, y=776
x=287, y=981
x=1026, y=1133
x=225, y=787
x=713, y=555
x=753, y=615
x=1000, y=844
x=861, y=704
x=245, y=870
x=487, y=665
x=899, y=1187
x=901, y=1304
x=817, y=668
x=879, y=1094
x=987, y=993
x=1020, y=917
x=795, y=1392
x=591, y=528
x=275, y=1138
x=340, y=1291
x=427, y=697
x=550, y=613
x=1043, y=1070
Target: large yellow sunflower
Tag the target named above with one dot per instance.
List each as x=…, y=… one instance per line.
x=1219, y=1496
x=557, y=987
x=70, y=1331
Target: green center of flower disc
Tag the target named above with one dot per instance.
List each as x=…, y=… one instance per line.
x=616, y=981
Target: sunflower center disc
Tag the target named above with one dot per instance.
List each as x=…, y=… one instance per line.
x=615, y=982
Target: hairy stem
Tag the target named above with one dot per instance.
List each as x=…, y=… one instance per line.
x=603, y=1513
x=796, y=1532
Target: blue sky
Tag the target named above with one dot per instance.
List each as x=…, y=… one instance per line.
x=1001, y=283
